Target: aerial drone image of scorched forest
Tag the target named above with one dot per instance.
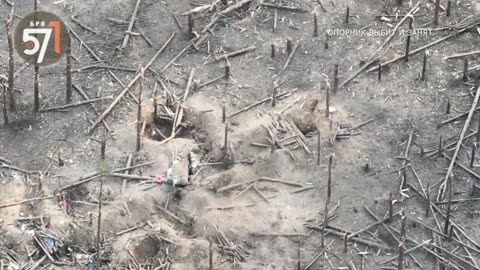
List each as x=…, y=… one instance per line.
x=240, y=134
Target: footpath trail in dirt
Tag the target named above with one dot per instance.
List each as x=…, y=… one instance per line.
x=263, y=145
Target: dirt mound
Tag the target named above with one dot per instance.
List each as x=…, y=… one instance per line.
x=310, y=112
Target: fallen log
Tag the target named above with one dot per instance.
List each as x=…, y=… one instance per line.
x=371, y=58
x=461, y=55
x=235, y=53
x=359, y=240
x=459, y=143
x=284, y=7
x=440, y=40
x=260, y=102
x=170, y=214
x=130, y=229
x=454, y=118
x=435, y=152
x=267, y=179
x=279, y=234
x=130, y=25
x=67, y=106
x=26, y=201
x=98, y=59
x=6, y=161
x=132, y=82
x=94, y=175
x=5, y=166
x=280, y=181
x=130, y=177
x=319, y=254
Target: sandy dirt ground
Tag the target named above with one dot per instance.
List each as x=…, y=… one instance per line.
x=248, y=205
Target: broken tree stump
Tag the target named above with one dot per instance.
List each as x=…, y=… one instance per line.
x=274, y=93
x=325, y=43
x=449, y=7
x=472, y=158
x=227, y=69
x=379, y=72
x=61, y=160
x=335, y=78
x=190, y=27
x=437, y=11
x=224, y=113
x=289, y=46
x=299, y=259
x=409, y=36
x=465, y=70
x=424, y=67
x=347, y=15
x=345, y=242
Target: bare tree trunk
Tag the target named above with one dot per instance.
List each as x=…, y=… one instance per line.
x=11, y=65
x=69, y=70
x=155, y=101
x=5, y=108
x=401, y=251
x=325, y=222
x=139, y=113
x=36, y=92
x=329, y=180
x=210, y=256
x=449, y=204
x=99, y=222
x=103, y=171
